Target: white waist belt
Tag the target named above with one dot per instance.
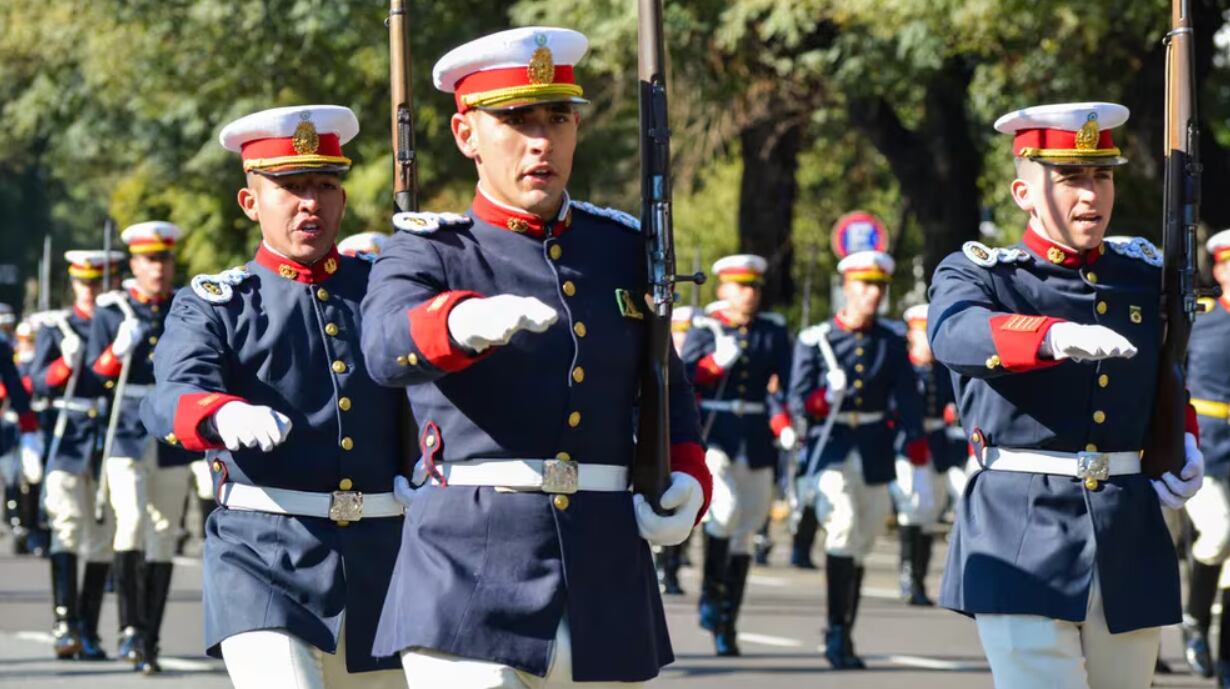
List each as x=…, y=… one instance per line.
x=545, y=475
x=736, y=407
x=933, y=425
x=79, y=404
x=1092, y=466
x=340, y=506
x=855, y=418
x=138, y=390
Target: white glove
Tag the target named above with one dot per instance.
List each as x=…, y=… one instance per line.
x=725, y=350
x=32, y=456
x=70, y=347
x=1085, y=343
x=788, y=438
x=835, y=383
x=685, y=497
x=126, y=337
x=477, y=324
x=240, y=425
x=402, y=492
x=1173, y=491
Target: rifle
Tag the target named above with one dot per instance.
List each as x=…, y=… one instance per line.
x=119, y=299
x=44, y=276
x=405, y=178
x=1163, y=449
x=651, y=467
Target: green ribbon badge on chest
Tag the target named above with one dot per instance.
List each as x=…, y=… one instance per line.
x=627, y=305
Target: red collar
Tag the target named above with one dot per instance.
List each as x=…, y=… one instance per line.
x=291, y=270
x=143, y=298
x=846, y=326
x=81, y=313
x=515, y=220
x=1059, y=254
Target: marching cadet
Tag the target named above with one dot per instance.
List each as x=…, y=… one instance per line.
x=21, y=462
x=74, y=460
x=948, y=452
x=846, y=372
x=730, y=355
x=260, y=366
x=1208, y=378
x=1060, y=551
x=519, y=330
x=147, y=483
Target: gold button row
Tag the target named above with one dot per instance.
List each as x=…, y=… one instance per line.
x=343, y=403
x=574, y=419
x=555, y=252
x=570, y=289
x=339, y=366
x=331, y=329
x=347, y=443
x=322, y=294
x=578, y=374
x=345, y=484
x=580, y=329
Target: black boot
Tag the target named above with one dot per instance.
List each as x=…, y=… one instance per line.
x=157, y=588
x=89, y=607
x=915, y=558
x=668, y=561
x=1223, y=674
x=66, y=642
x=840, y=574
x=856, y=597
x=38, y=539
x=1223, y=643
x=129, y=594
x=725, y=637
x=713, y=584
x=762, y=545
x=804, y=539
x=1198, y=616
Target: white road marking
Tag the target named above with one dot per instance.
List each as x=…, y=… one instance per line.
x=773, y=582
x=934, y=663
x=766, y=640
x=189, y=664
x=39, y=637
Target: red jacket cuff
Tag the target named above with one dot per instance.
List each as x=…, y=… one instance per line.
x=707, y=371
x=690, y=459
x=193, y=409
x=429, y=331
x=108, y=365
x=1191, y=424
x=27, y=422
x=817, y=404
x=918, y=452
x=28, y=383
x=1017, y=339
x=58, y=373
x=779, y=422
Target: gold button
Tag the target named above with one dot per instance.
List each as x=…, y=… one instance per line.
x=569, y=288
x=743, y=374
x=563, y=456
x=1091, y=483
x=343, y=523
x=347, y=443
x=1101, y=307
x=402, y=361
x=743, y=329
x=858, y=351
x=412, y=359
x=92, y=413
x=742, y=388
x=743, y=344
x=578, y=374
x=1103, y=380
x=153, y=339
x=331, y=329
x=430, y=441
x=579, y=329
x=339, y=367
x=743, y=359
x=858, y=401
x=858, y=368
x=171, y=439
x=1099, y=416
x=560, y=502
x=556, y=251
x=858, y=385
x=345, y=484
x=993, y=361
x=1091, y=448
x=343, y=403
x=155, y=308
x=975, y=437
x=322, y=294
x=109, y=384
x=574, y=419
x=218, y=466
x=1092, y=278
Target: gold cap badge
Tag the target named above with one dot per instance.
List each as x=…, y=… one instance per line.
x=1087, y=136
x=305, y=140
x=542, y=67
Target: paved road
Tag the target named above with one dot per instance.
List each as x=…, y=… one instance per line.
x=780, y=630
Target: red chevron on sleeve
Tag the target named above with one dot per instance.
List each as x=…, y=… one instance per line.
x=707, y=371
x=1017, y=339
x=57, y=373
x=108, y=365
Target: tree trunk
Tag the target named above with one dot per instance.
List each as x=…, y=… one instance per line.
x=767, y=194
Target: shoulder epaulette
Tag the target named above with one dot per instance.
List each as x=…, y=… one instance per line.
x=426, y=223
x=987, y=257
x=615, y=214
x=773, y=317
x=218, y=288
x=1138, y=248
x=812, y=336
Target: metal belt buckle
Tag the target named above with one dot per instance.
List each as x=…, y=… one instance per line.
x=854, y=419
x=736, y=407
x=1093, y=467
x=559, y=476
x=346, y=506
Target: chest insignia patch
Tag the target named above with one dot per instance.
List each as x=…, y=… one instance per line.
x=627, y=305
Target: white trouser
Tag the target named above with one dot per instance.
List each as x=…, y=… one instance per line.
x=1209, y=510
x=274, y=659
x=431, y=670
x=918, y=505
x=1030, y=652
x=202, y=479
x=167, y=490
x=69, y=500
x=741, y=500
x=851, y=513
x=148, y=502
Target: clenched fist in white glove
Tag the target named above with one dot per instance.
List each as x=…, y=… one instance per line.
x=1085, y=343
x=240, y=425
x=70, y=347
x=685, y=497
x=477, y=324
x=1173, y=491
x=835, y=383
x=126, y=337
x=725, y=350
x=788, y=438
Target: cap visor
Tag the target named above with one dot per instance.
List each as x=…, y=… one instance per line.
x=286, y=171
x=1112, y=161
x=531, y=101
